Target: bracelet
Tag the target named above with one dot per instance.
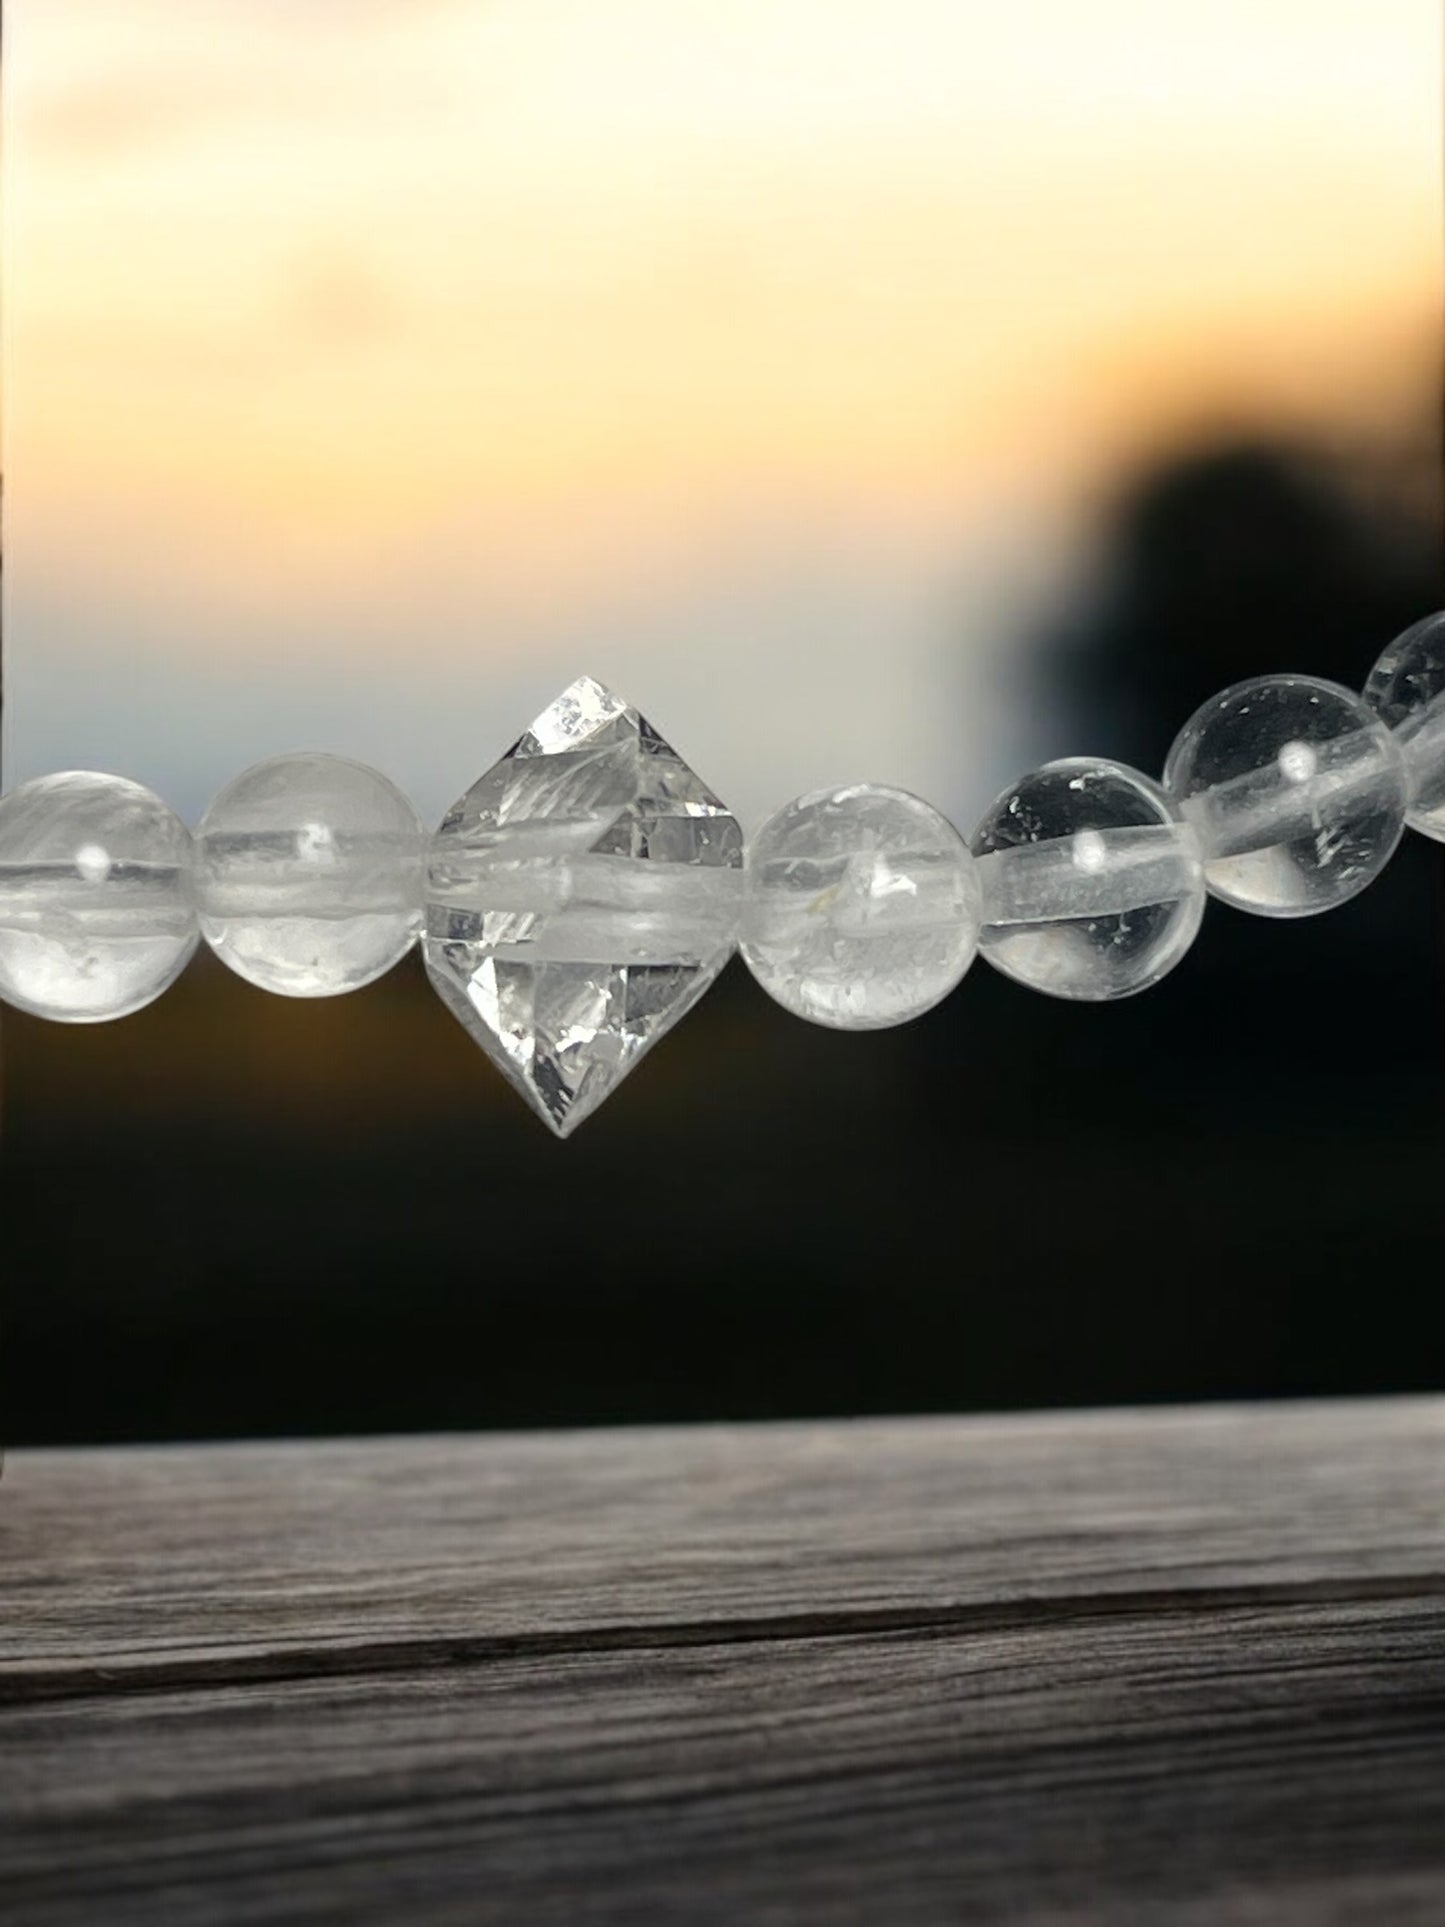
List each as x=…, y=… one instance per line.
x=586, y=890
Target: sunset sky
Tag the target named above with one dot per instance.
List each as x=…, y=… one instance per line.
x=373, y=369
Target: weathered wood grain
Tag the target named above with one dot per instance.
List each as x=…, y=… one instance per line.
x=1116, y=1667
x=139, y=1559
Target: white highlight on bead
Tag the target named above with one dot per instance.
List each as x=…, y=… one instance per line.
x=1298, y=762
x=93, y=862
x=1090, y=852
x=316, y=843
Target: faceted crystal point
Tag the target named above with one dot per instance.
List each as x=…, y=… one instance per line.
x=581, y=896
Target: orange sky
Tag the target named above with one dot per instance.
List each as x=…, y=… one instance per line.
x=374, y=315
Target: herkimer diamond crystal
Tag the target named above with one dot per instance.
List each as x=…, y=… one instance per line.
x=581, y=896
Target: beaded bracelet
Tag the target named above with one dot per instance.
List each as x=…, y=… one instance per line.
x=586, y=890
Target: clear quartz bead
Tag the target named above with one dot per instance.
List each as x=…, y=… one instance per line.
x=309, y=874
x=861, y=907
x=1092, y=887
x=95, y=905
x=1406, y=690
x=1296, y=790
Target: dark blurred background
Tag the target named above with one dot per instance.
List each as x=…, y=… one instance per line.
x=232, y=1213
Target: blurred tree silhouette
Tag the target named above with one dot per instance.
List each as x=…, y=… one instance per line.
x=1231, y=561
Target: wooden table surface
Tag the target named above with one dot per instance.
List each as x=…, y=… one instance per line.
x=1182, y=1666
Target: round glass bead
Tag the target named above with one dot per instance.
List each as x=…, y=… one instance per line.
x=309, y=875
x=95, y=905
x=1406, y=690
x=1296, y=790
x=1092, y=887
x=860, y=908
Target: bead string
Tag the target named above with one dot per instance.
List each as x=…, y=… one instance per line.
x=586, y=890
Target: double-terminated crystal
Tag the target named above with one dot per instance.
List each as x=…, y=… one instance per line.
x=582, y=895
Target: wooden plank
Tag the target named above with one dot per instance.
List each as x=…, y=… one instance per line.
x=174, y=1562
x=1273, y=1764
x=1108, y=1668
